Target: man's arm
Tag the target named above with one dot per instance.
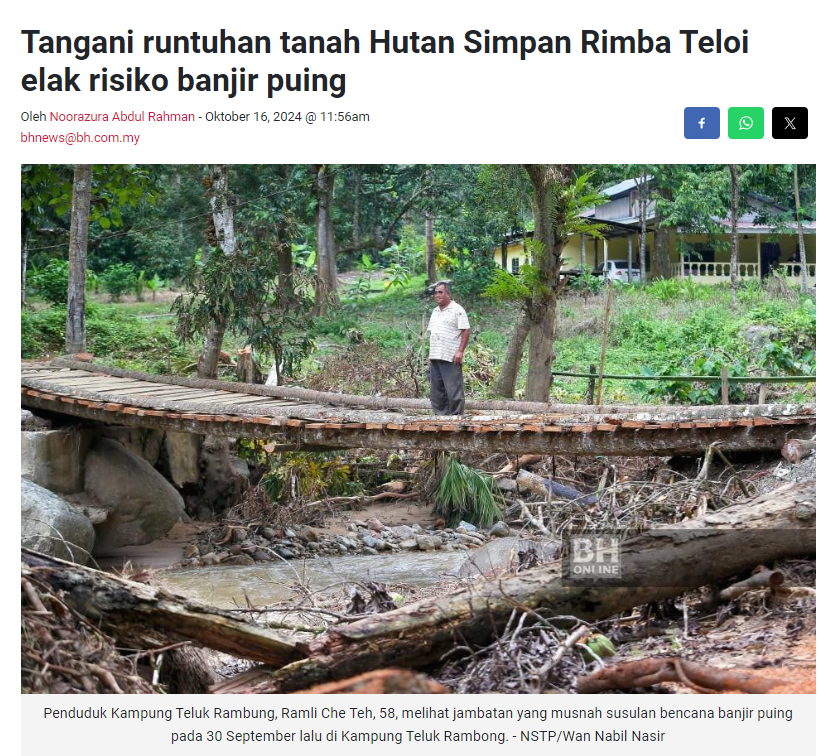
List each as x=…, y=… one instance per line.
x=460, y=354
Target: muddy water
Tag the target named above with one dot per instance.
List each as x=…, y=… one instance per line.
x=266, y=583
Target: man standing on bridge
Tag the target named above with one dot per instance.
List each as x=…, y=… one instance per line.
x=449, y=333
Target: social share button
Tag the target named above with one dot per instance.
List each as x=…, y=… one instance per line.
x=701, y=123
x=745, y=123
x=790, y=123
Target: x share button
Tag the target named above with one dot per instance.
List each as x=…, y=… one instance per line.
x=790, y=123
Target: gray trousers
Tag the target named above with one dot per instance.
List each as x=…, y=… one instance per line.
x=447, y=394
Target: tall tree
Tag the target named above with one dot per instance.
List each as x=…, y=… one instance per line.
x=220, y=235
x=643, y=183
x=78, y=245
x=735, y=217
x=430, y=246
x=804, y=271
x=326, y=275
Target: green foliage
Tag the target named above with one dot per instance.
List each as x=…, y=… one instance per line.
x=52, y=281
x=396, y=275
x=586, y=283
x=708, y=363
x=505, y=286
x=118, y=279
x=463, y=493
x=675, y=289
x=310, y=476
x=472, y=274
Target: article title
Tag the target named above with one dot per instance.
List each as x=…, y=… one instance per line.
x=238, y=80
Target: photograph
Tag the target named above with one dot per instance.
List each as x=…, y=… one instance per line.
x=418, y=428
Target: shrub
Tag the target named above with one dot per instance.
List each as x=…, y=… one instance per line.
x=52, y=282
x=118, y=279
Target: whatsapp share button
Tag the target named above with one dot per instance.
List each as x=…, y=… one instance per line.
x=746, y=123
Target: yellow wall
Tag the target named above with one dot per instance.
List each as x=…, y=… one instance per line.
x=618, y=249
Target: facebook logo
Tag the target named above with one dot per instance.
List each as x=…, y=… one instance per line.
x=701, y=123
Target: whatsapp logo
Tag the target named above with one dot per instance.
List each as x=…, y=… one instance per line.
x=745, y=123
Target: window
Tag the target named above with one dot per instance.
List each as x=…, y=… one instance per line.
x=515, y=265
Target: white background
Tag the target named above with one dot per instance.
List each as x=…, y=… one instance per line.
x=423, y=108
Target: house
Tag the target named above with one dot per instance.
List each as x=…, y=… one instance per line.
x=704, y=257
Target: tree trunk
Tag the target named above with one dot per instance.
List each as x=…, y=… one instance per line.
x=324, y=286
x=643, y=187
x=661, y=262
x=655, y=565
x=506, y=382
x=735, y=217
x=356, y=236
x=285, y=261
x=78, y=244
x=24, y=266
x=332, y=267
x=582, y=252
x=430, y=246
x=549, y=218
x=630, y=240
x=804, y=271
x=223, y=224
x=142, y=616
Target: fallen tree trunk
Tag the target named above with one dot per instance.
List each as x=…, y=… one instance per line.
x=700, y=677
x=655, y=565
x=537, y=484
x=144, y=617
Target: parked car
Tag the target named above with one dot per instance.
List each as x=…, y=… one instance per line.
x=618, y=271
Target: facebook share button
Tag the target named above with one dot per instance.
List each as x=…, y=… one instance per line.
x=701, y=123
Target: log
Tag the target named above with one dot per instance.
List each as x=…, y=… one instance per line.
x=141, y=616
x=660, y=563
x=762, y=579
x=704, y=679
x=795, y=449
x=539, y=485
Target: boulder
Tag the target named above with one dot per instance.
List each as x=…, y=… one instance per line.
x=143, y=504
x=143, y=442
x=53, y=459
x=183, y=450
x=49, y=524
x=500, y=530
x=30, y=421
x=429, y=543
x=502, y=555
x=403, y=532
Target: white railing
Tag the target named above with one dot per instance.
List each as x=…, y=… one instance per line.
x=714, y=272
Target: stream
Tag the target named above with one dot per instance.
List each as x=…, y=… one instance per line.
x=267, y=583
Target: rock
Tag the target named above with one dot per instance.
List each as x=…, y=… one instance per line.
x=183, y=450
x=190, y=551
x=341, y=547
x=143, y=504
x=757, y=336
x=30, y=421
x=239, y=535
x=307, y=534
x=375, y=524
x=502, y=554
x=313, y=546
x=362, y=524
x=53, y=459
x=259, y=555
x=429, y=543
x=290, y=533
x=505, y=484
x=369, y=541
x=469, y=540
x=240, y=467
x=500, y=530
x=235, y=548
x=409, y=545
x=210, y=559
x=470, y=528
x=49, y=524
x=403, y=532
x=368, y=550
x=242, y=559
x=142, y=442
x=269, y=534
x=381, y=545
x=416, y=527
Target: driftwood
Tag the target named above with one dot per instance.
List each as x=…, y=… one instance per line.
x=762, y=579
x=655, y=565
x=539, y=485
x=702, y=678
x=144, y=617
x=795, y=449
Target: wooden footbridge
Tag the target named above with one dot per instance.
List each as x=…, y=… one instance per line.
x=300, y=418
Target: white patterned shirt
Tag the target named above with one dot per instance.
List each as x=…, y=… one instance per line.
x=446, y=326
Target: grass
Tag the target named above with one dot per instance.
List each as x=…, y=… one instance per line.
x=656, y=329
